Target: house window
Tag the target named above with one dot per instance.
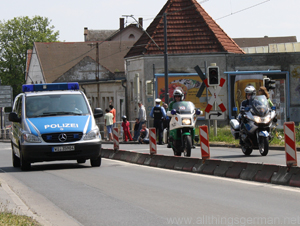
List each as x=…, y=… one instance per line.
x=149, y=88
x=131, y=36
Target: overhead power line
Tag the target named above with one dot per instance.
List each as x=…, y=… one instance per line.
x=242, y=10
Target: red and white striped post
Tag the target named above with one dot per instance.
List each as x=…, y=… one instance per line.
x=290, y=144
x=152, y=141
x=116, y=138
x=204, y=142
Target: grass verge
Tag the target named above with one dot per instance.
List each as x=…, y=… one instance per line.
x=8, y=217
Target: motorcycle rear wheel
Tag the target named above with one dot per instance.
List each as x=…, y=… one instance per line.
x=246, y=151
x=263, y=146
x=176, y=153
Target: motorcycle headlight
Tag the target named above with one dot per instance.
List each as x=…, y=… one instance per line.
x=30, y=138
x=186, y=121
x=266, y=119
x=93, y=134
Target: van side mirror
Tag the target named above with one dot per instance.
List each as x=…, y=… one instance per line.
x=13, y=117
x=98, y=113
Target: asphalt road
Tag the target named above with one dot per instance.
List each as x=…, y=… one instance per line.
x=230, y=154
x=118, y=193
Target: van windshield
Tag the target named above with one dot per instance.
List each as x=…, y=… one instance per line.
x=51, y=105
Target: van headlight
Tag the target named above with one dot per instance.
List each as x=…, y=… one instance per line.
x=30, y=138
x=186, y=121
x=93, y=134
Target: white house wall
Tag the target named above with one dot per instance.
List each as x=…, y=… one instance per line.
x=85, y=70
x=35, y=74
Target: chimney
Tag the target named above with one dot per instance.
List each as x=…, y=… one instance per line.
x=85, y=33
x=121, y=24
x=141, y=22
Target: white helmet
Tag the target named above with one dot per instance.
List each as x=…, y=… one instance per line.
x=157, y=100
x=250, y=90
x=178, y=92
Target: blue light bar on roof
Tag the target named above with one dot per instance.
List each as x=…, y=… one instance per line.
x=50, y=87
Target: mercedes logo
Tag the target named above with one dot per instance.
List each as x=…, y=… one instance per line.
x=62, y=137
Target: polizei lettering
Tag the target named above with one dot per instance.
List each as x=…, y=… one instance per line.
x=64, y=125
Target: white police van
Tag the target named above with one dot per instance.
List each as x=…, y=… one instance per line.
x=54, y=122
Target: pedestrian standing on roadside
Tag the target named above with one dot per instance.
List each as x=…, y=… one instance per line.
x=113, y=111
x=142, y=115
x=126, y=128
x=263, y=91
x=108, y=120
x=159, y=114
x=136, y=129
x=166, y=124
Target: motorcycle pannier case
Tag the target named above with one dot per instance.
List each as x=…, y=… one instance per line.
x=235, y=128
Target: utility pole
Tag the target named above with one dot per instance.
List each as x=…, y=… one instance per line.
x=166, y=60
x=97, y=71
x=97, y=60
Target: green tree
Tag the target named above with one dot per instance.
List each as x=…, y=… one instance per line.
x=16, y=37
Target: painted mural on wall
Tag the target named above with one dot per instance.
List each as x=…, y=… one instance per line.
x=190, y=85
x=295, y=84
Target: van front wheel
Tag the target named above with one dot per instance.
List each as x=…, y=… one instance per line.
x=25, y=165
x=96, y=162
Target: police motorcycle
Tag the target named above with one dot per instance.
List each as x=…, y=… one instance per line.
x=182, y=127
x=253, y=125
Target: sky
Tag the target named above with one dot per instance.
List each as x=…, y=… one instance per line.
x=238, y=18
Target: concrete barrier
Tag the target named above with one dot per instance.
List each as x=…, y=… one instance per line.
x=209, y=166
x=170, y=164
x=180, y=163
x=235, y=170
x=250, y=171
x=223, y=168
x=295, y=179
x=266, y=173
x=188, y=166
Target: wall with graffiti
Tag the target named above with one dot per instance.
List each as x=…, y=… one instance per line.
x=190, y=85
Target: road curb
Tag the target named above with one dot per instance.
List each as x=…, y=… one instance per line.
x=265, y=173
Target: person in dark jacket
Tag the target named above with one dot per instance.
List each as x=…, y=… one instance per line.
x=159, y=114
x=136, y=129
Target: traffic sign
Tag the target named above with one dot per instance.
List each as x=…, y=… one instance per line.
x=6, y=96
x=203, y=77
x=214, y=96
x=214, y=115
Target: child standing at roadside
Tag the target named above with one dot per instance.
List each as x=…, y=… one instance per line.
x=126, y=129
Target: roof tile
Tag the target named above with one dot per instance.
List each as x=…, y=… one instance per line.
x=190, y=30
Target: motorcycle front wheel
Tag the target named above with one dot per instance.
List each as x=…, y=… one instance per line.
x=187, y=145
x=263, y=145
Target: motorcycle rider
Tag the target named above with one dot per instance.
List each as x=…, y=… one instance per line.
x=159, y=114
x=250, y=92
x=178, y=96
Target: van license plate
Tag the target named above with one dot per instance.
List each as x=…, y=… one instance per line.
x=63, y=148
